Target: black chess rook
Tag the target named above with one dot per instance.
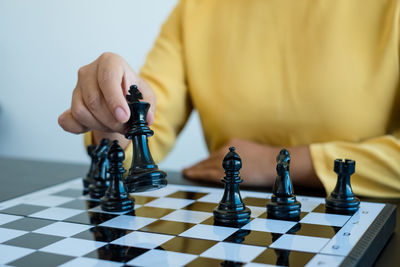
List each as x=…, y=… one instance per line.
x=144, y=174
x=231, y=210
x=342, y=199
x=116, y=198
x=283, y=204
x=100, y=175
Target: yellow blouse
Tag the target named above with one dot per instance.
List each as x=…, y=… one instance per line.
x=285, y=73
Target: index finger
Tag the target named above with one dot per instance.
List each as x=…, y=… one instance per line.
x=110, y=77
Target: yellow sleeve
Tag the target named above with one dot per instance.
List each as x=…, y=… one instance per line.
x=164, y=72
x=377, y=165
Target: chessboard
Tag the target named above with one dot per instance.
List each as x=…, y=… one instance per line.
x=173, y=226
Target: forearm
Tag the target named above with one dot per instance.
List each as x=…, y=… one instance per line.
x=302, y=168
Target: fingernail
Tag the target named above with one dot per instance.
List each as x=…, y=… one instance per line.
x=120, y=114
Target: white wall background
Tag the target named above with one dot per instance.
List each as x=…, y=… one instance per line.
x=42, y=45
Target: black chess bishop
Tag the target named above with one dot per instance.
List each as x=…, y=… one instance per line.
x=116, y=198
x=144, y=174
x=231, y=210
x=88, y=179
x=342, y=199
x=283, y=204
x=100, y=175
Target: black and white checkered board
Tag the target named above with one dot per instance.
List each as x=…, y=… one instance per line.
x=174, y=226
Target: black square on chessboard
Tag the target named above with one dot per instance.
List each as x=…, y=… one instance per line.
x=141, y=200
x=315, y=230
x=210, y=221
x=102, y=233
x=201, y=206
x=282, y=257
x=116, y=253
x=201, y=262
x=167, y=227
x=187, y=195
x=69, y=193
x=91, y=218
x=187, y=245
x=23, y=209
x=81, y=204
x=42, y=259
x=33, y=240
x=252, y=237
x=27, y=224
x=254, y=201
x=150, y=212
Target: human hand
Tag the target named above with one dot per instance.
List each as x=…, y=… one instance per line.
x=98, y=100
x=258, y=165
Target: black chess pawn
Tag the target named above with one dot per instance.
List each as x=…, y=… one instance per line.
x=231, y=210
x=283, y=204
x=116, y=198
x=144, y=174
x=100, y=175
x=342, y=199
x=88, y=179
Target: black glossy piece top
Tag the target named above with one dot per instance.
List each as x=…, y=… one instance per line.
x=116, y=198
x=283, y=204
x=144, y=174
x=231, y=210
x=342, y=199
x=100, y=175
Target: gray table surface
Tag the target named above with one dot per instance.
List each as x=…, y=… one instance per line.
x=18, y=177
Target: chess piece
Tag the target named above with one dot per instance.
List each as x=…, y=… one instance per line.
x=283, y=204
x=231, y=210
x=342, y=199
x=100, y=175
x=144, y=174
x=116, y=198
x=88, y=179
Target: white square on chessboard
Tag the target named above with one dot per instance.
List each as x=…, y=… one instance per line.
x=325, y=260
x=142, y=240
x=308, y=206
x=128, y=222
x=11, y=253
x=48, y=200
x=56, y=213
x=88, y=262
x=325, y=219
x=214, y=197
x=73, y=247
x=256, y=211
x=158, y=193
x=64, y=229
x=269, y=225
x=6, y=218
x=188, y=216
x=211, y=232
x=300, y=243
x=98, y=209
x=162, y=258
x=7, y=234
x=233, y=252
x=170, y=203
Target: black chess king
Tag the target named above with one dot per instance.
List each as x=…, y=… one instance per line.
x=144, y=174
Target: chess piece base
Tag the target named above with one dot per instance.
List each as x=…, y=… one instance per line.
x=97, y=192
x=146, y=181
x=231, y=218
x=342, y=206
x=86, y=183
x=116, y=205
x=284, y=210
